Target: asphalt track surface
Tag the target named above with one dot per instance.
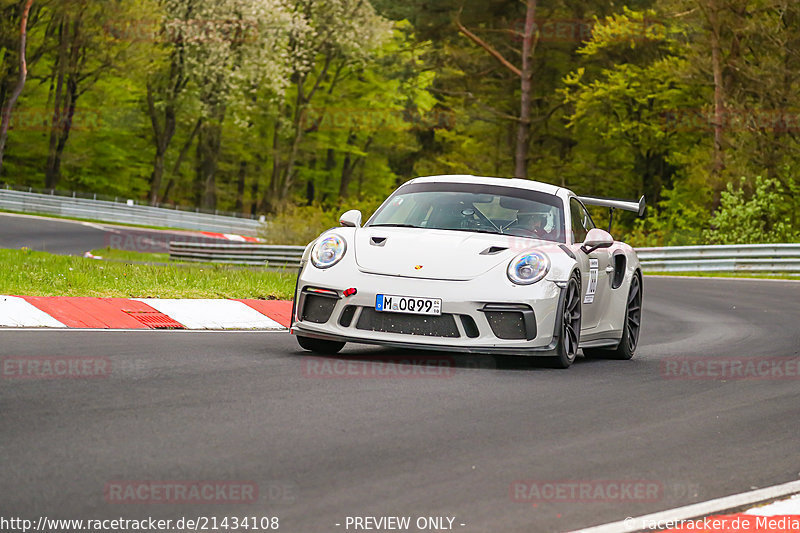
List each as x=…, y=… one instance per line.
x=243, y=406
x=69, y=237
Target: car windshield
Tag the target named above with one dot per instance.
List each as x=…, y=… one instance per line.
x=474, y=207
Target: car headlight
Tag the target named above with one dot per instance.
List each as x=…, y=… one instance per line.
x=528, y=268
x=328, y=251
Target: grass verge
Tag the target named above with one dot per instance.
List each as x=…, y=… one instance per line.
x=113, y=254
x=29, y=273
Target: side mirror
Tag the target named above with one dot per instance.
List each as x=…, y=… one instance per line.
x=597, y=238
x=351, y=219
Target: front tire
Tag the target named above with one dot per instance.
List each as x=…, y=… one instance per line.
x=319, y=346
x=630, y=331
x=569, y=335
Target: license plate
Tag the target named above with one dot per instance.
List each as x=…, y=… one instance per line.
x=408, y=304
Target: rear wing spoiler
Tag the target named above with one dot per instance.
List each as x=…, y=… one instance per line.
x=613, y=203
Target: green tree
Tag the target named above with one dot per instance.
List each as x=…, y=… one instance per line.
x=757, y=214
x=83, y=53
x=624, y=117
x=331, y=36
x=364, y=121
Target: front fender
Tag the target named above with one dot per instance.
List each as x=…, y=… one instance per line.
x=307, y=252
x=562, y=264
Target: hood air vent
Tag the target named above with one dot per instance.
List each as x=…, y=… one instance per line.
x=492, y=250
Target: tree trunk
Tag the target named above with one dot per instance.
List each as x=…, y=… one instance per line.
x=62, y=133
x=349, y=166
x=299, y=116
x=162, y=136
x=240, y=186
x=59, y=72
x=156, y=177
x=157, y=174
x=181, y=156
x=208, y=145
x=23, y=74
x=59, y=133
x=271, y=196
x=525, y=75
x=67, y=71
x=283, y=186
x=254, y=199
x=524, y=125
x=719, y=97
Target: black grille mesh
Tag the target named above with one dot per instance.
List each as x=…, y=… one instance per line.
x=507, y=324
x=407, y=324
x=317, y=309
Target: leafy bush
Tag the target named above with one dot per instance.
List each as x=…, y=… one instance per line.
x=299, y=225
x=756, y=214
x=678, y=220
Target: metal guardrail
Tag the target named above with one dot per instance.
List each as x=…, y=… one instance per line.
x=716, y=258
x=237, y=254
x=125, y=213
x=722, y=258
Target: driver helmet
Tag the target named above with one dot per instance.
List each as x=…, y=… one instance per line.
x=534, y=219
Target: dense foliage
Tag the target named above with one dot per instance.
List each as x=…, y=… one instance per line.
x=299, y=109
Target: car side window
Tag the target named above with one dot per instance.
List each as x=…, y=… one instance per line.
x=581, y=221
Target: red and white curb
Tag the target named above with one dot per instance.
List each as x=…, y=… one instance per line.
x=231, y=237
x=143, y=313
x=780, y=516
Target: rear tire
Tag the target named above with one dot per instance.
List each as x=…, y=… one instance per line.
x=569, y=335
x=319, y=346
x=630, y=331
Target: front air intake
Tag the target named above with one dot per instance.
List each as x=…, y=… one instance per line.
x=511, y=321
x=317, y=304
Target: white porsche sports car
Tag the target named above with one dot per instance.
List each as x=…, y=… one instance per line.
x=475, y=265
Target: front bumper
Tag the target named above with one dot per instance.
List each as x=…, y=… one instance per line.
x=477, y=316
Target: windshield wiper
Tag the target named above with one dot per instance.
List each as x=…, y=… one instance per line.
x=489, y=220
x=474, y=230
x=393, y=226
